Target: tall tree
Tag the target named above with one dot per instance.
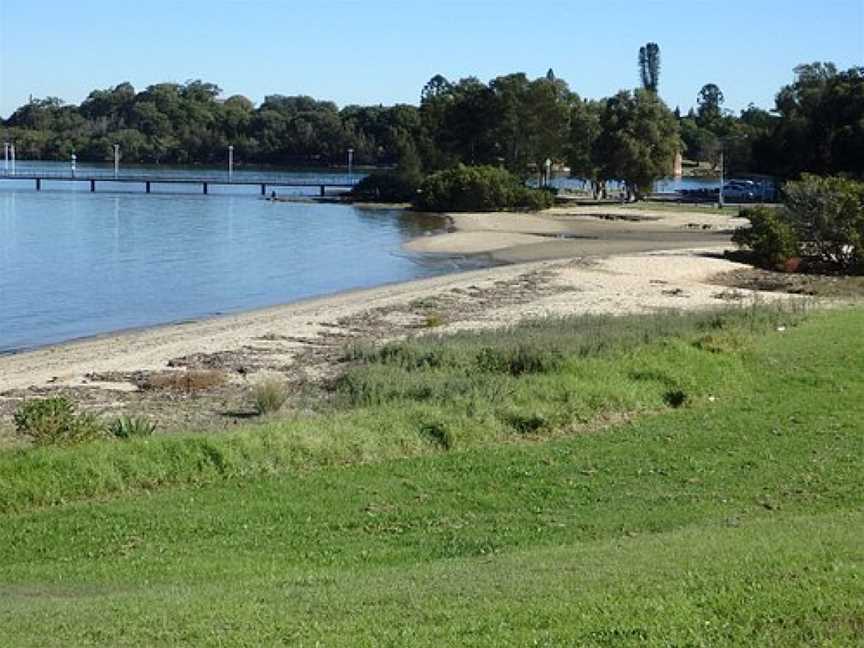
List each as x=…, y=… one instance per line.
x=581, y=144
x=638, y=140
x=547, y=121
x=710, y=102
x=649, y=66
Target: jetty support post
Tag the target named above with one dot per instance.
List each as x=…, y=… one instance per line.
x=147, y=186
x=92, y=186
x=263, y=189
x=38, y=184
x=205, y=188
x=322, y=191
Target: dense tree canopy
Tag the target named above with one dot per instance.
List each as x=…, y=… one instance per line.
x=188, y=123
x=513, y=121
x=820, y=124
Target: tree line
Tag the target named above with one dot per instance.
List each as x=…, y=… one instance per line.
x=511, y=121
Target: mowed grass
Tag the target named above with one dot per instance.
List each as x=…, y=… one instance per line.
x=733, y=518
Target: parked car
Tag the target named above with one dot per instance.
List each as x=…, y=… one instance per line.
x=736, y=190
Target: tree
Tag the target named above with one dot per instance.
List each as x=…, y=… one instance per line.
x=710, y=102
x=820, y=127
x=638, y=140
x=510, y=91
x=435, y=99
x=467, y=130
x=546, y=121
x=700, y=144
x=582, y=139
x=649, y=66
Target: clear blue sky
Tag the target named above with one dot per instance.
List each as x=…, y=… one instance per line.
x=384, y=51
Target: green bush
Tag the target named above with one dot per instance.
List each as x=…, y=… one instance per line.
x=535, y=199
x=127, y=427
x=386, y=186
x=478, y=188
x=53, y=421
x=771, y=239
x=827, y=216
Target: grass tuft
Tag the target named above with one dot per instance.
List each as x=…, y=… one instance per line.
x=269, y=396
x=129, y=427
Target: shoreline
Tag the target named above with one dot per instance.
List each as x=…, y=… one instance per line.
x=303, y=342
x=505, y=238
x=217, y=323
x=152, y=347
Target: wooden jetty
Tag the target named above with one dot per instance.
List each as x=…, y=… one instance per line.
x=148, y=181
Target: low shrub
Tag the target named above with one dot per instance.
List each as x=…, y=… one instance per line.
x=535, y=199
x=770, y=237
x=827, y=216
x=269, y=396
x=821, y=220
x=53, y=421
x=128, y=427
x=478, y=188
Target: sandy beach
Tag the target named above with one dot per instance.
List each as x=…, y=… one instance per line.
x=568, y=261
x=574, y=231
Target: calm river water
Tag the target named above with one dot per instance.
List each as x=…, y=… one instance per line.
x=75, y=264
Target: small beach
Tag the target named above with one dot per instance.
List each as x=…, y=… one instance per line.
x=570, y=261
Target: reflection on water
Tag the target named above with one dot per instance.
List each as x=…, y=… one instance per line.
x=74, y=264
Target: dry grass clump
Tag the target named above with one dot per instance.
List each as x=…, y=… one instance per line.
x=190, y=381
x=269, y=396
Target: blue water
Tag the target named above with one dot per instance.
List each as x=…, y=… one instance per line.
x=75, y=264
x=53, y=171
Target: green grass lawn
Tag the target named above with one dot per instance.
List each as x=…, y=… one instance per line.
x=731, y=518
